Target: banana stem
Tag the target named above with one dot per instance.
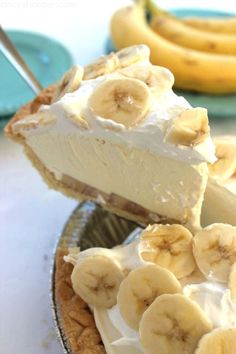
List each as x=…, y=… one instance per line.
x=141, y=3
x=154, y=10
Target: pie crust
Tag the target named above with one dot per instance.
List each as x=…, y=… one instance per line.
x=75, y=317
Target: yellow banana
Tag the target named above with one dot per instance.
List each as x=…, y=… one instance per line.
x=204, y=72
x=189, y=37
x=217, y=25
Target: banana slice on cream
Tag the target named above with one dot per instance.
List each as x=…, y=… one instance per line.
x=225, y=167
x=172, y=324
x=70, y=82
x=133, y=54
x=219, y=341
x=125, y=101
x=140, y=288
x=157, y=78
x=169, y=246
x=96, y=279
x=214, y=249
x=189, y=128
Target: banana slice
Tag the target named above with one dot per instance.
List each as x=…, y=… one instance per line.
x=33, y=121
x=225, y=166
x=96, y=279
x=69, y=82
x=169, y=246
x=133, y=54
x=75, y=112
x=110, y=63
x=126, y=101
x=214, y=249
x=232, y=281
x=140, y=288
x=190, y=128
x=172, y=324
x=157, y=78
x=219, y=341
x=101, y=66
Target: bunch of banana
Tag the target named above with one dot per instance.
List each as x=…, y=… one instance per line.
x=215, y=25
x=180, y=33
x=193, y=69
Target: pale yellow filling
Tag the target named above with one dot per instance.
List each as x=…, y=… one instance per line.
x=162, y=185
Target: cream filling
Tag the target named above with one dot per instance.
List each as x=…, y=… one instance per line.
x=215, y=301
x=176, y=192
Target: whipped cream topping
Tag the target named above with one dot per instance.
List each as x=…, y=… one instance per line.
x=215, y=300
x=149, y=134
x=129, y=337
x=127, y=256
x=109, y=322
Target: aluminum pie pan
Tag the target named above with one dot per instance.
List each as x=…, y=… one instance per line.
x=88, y=226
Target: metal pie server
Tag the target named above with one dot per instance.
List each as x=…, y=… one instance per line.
x=10, y=52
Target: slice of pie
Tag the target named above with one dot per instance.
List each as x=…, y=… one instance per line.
x=115, y=133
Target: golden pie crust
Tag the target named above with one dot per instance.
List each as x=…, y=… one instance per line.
x=76, y=319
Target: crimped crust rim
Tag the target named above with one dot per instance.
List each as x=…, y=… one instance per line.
x=31, y=107
x=74, y=315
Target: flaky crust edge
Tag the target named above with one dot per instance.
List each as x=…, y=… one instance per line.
x=75, y=318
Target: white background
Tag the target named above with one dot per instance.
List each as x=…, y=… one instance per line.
x=81, y=24
x=31, y=216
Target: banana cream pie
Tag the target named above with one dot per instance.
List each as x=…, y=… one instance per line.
x=167, y=292
x=115, y=133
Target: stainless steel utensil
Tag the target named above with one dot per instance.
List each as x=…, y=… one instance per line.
x=12, y=55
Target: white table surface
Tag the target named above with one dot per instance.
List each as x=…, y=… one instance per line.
x=31, y=215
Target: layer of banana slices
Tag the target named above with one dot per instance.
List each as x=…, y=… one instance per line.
x=128, y=87
x=145, y=281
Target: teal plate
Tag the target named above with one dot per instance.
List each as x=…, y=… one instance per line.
x=218, y=106
x=48, y=60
